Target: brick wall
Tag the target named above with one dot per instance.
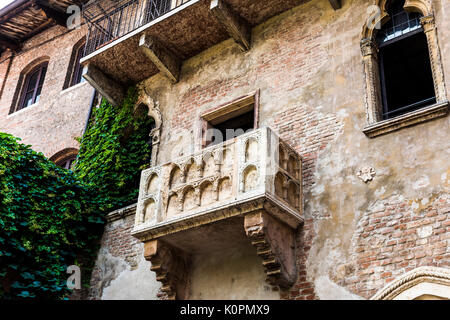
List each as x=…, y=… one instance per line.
x=52, y=124
x=307, y=65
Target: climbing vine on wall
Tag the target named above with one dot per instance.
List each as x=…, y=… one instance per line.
x=50, y=217
x=48, y=220
x=114, y=149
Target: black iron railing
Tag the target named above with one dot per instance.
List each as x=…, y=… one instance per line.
x=109, y=20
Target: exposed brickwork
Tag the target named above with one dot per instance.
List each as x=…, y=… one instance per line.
x=393, y=238
x=304, y=288
x=307, y=66
x=52, y=124
x=118, y=242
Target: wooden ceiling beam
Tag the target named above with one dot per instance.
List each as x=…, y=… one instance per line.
x=58, y=16
x=8, y=43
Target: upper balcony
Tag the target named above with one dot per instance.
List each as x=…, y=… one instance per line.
x=132, y=40
x=245, y=188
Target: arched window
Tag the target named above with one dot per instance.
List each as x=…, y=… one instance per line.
x=405, y=70
x=67, y=163
x=402, y=64
x=65, y=158
x=32, y=86
x=78, y=69
x=75, y=71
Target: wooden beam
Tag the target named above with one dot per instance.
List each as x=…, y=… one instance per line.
x=58, y=16
x=15, y=8
x=236, y=27
x=165, y=61
x=113, y=91
x=9, y=43
x=336, y=4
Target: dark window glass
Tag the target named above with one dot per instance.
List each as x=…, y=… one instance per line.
x=67, y=163
x=78, y=69
x=231, y=126
x=33, y=86
x=405, y=70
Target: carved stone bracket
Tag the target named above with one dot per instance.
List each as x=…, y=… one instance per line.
x=275, y=244
x=171, y=267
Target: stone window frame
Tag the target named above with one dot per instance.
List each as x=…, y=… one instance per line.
x=19, y=92
x=411, y=284
x=227, y=108
x=64, y=155
x=376, y=126
x=74, y=67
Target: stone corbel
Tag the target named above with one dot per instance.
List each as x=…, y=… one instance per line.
x=237, y=28
x=171, y=266
x=112, y=90
x=167, y=63
x=275, y=244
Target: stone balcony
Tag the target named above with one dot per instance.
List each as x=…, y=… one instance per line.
x=132, y=40
x=245, y=189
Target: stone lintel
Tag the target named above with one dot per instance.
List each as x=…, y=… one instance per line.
x=275, y=245
x=336, y=4
x=164, y=60
x=113, y=91
x=236, y=27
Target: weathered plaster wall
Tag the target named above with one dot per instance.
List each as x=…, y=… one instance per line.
x=307, y=65
x=230, y=274
x=52, y=124
x=121, y=272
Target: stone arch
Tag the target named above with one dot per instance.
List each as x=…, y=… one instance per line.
x=292, y=165
x=149, y=210
x=251, y=150
x=64, y=154
x=22, y=77
x=227, y=158
x=189, y=198
x=152, y=184
x=191, y=171
x=279, y=185
x=292, y=194
x=380, y=17
x=175, y=176
x=420, y=283
x=71, y=70
x=225, y=188
x=282, y=157
x=172, y=205
x=209, y=165
x=250, y=178
x=207, y=194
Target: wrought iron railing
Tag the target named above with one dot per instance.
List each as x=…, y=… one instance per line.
x=109, y=20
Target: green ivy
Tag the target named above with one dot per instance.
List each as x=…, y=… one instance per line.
x=51, y=217
x=114, y=149
x=48, y=219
